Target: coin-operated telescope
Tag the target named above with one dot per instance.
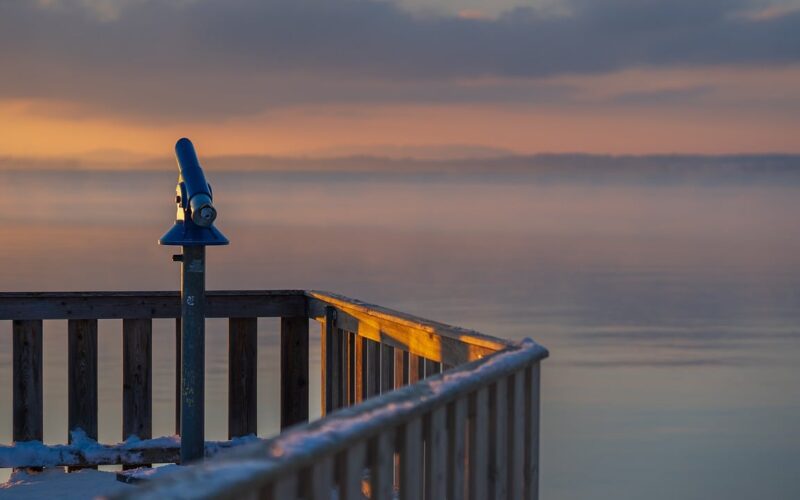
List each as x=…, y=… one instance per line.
x=194, y=224
x=193, y=230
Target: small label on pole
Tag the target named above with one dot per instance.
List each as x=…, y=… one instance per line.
x=190, y=300
x=195, y=266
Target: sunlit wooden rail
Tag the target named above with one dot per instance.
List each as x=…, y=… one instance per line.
x=410, y=407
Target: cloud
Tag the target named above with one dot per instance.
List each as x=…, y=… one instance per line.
x=218, y=58
x=665, y=96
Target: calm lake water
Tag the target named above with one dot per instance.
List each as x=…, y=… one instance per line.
x=671, y=309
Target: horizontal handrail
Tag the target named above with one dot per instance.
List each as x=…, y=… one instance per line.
x=432, y=340
x=146, y=305
x=235, y=303
x=254, y=467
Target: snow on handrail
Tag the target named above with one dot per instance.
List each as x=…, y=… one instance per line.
x=251, y=467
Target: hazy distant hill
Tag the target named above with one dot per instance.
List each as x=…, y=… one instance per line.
x=584, y=167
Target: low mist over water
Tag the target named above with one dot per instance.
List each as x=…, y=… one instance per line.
x=667, y=290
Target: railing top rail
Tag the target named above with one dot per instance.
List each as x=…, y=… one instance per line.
x=136, y=293
x=252, y=466
x=318, y=299
x=430, y=339
x=147, y=304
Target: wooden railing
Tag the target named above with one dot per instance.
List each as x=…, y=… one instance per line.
x=136, y=310
x=392, y=422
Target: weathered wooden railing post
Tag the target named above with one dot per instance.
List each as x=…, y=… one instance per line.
x=178, y=365
x=242, y=379
x=332, y=369
x=27, y=380
x=82, y=377
x=294, y=370
x=137, y=378
x=193, y=230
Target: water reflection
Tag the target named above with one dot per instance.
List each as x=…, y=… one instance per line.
x=671, y=311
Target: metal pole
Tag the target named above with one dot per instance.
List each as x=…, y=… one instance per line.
x=193, y=301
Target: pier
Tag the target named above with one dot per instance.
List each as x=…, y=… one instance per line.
x=410, y=406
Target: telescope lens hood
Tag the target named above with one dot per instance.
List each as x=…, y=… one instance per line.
x=205, y=216
x=203, y=212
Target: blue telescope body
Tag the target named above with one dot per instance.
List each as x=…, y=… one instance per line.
x=194, y=224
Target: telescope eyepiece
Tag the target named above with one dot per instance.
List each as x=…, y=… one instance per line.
x=205, y=216
x=203, y=212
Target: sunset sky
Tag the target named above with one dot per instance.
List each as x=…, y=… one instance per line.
x=323, y=77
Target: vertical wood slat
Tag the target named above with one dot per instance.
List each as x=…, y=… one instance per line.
x=344, y=338
x=349, y=391
x=532, y=396
x=137, y=380
x=498, y=422
x=456, y=447
x=436, y=455
x=331, y=374
x=381, y=464
x=432, y=367
x=323, y=367
x=373, y=378
x=387, y=368
x=411, y=461
x=416, y=368
x=242, y=376
x=137, y=388
x=360, y=367
x=479, y=445
x=178, y=369
x=355, y=458
x=322, y=479
x=400, y=368
x=294, y=371
x=284, y=488
x=27, y=380
x=82, y=377
x=400, y=379
x=515, y=445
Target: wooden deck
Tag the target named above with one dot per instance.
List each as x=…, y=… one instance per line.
x=410, y=406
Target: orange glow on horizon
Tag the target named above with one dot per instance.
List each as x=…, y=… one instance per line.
x=45, y=129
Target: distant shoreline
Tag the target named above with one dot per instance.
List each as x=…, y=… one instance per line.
x=545, y=165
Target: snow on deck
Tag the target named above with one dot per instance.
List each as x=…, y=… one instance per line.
x=84, y=449
x=57, y=484
x=54, y=482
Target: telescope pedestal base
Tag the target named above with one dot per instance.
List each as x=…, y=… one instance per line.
x=193, y=301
